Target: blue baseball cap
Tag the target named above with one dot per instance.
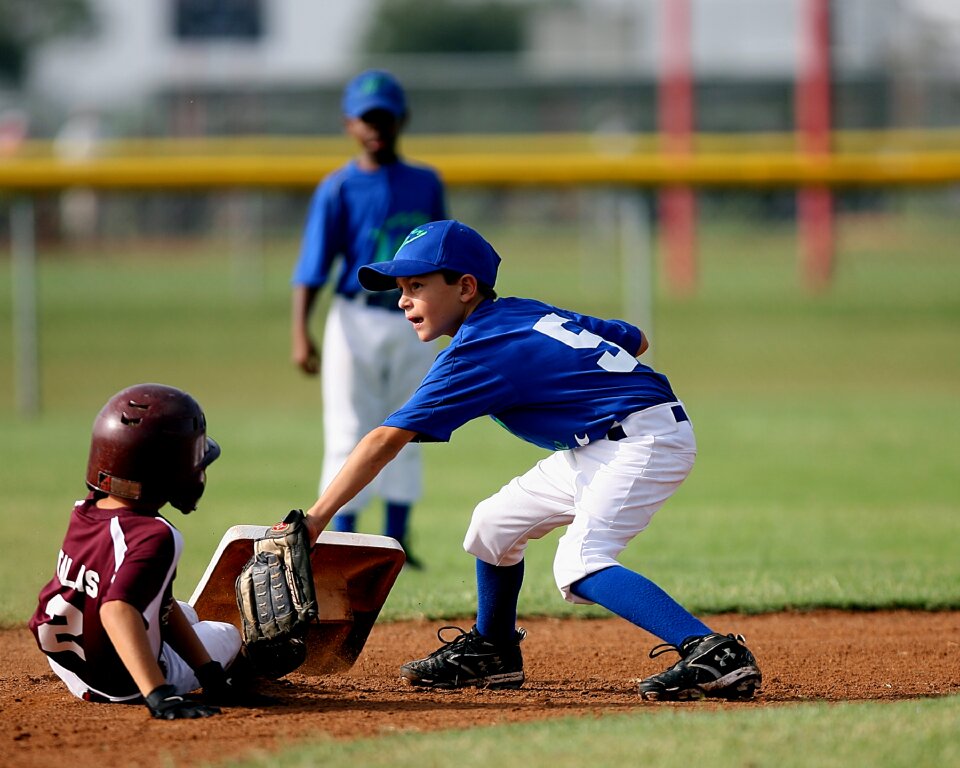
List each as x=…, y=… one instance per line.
x=431, y=247
x=374, y=89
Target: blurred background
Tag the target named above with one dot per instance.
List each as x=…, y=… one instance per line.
x=78, y=73
x=228, y=67
x=771, y=188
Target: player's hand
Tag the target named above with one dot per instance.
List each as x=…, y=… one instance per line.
x=306, y=356
x=164, y=704
x=314, y=529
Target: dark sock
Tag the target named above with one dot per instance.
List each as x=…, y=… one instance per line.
x=498, y=590
x=396, y=523
x=344, y=522
x=641, y=602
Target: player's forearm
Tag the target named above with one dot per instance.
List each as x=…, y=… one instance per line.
x=180, y=635
x=304, y=352
x=377, y=448
x=124, y=626
x=644, y=344
x=301, y=305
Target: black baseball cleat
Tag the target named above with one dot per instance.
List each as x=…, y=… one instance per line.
x=468, y=660
x=713, y=665
x=412, y=562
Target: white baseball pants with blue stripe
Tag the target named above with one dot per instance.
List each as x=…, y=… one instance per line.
x=605, y=492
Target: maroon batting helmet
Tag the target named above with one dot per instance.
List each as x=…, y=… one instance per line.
x=150, y=445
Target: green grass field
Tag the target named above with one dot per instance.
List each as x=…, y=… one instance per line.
x=828, y=472
x=905, y=734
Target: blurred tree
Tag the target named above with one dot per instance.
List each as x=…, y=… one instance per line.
x=25, y=24
x=447, y=26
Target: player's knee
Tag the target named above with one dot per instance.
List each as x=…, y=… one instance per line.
x=477, y=540
x=221, y=640
x=486, y=538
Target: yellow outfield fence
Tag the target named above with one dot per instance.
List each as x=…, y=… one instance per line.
x=885, y=158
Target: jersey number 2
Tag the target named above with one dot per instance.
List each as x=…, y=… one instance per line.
x=60, y=633
x=552, y=325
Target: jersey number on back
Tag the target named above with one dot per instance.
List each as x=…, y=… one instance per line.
x=65, y=626
x=620, y=361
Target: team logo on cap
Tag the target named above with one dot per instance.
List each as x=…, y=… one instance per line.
x=414, y=235
x=372, y=85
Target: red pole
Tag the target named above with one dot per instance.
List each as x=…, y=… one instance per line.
x=813, y=121
x=678, y=210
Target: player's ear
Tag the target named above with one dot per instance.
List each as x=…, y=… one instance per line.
x=468, y=287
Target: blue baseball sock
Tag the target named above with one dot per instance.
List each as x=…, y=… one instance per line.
x=498, y=590
x=344, y=522
x=396, y=525
x=641, y=602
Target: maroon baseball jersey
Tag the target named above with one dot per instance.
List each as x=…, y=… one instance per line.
x=107, y=554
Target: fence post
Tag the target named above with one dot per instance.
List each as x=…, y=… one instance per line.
x=246, y=222
x=637, y=263
x=675, y=108
x=815, y=220
x=26, y=358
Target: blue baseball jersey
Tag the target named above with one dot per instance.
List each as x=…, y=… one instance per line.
x=555, y=378
x=363, y=217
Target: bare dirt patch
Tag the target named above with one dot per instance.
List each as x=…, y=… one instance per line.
x=574, y=668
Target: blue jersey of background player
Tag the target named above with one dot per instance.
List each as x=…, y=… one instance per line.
x=359, y=215
x=622, y=445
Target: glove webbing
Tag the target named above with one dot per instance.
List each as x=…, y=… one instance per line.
x=272, y=595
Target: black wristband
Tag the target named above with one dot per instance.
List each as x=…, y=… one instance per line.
x=159, y=699
x=165, y=703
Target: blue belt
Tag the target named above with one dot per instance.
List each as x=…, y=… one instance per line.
x=617, y=433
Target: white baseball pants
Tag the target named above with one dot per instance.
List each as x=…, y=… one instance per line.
x=373, y=362
x=606, y=492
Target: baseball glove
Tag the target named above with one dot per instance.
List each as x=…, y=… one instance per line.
x=276, y=598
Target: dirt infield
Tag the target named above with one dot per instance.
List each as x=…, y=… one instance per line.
x=574, y=668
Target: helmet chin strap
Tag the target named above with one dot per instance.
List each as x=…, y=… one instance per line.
x=186, y=499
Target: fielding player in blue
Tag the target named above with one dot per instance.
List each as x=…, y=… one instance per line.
x=622, y=443
x=371, y=362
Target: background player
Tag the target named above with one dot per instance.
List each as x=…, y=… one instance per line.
x=107, y=621
x=371, y=362
x=622, y=445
